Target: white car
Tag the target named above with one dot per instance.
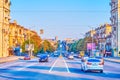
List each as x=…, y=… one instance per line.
x=92, y=64
x=70, y=56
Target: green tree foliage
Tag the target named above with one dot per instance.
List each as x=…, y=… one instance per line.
x=80, y=45
x=39, y=45
x=73, y=47
x=36, y=40
x=46, y=47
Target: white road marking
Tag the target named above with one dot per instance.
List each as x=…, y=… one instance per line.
x=66, y=66
x=26, y=66
x=10, y=65
x=53, y=65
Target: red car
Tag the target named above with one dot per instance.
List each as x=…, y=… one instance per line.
x=27, y=57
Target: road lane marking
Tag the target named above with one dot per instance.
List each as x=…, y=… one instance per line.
x=8, y=65
x=66, y=66
x=25, y=66
x=53, y=65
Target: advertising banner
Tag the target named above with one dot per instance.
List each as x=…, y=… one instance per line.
x=91, y=46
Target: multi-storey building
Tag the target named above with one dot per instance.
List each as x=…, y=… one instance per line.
x=69, y=40
x=99, y=36
x=115, y=21
x=103, y=34
x=18, y=34
x=4, y=27
x=90, y=33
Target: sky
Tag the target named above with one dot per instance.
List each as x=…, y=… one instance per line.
x=62, y=18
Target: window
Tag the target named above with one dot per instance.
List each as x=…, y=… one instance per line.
x=6, y=1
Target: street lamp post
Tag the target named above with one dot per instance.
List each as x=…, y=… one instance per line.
x=92, y=40
x=30, y=53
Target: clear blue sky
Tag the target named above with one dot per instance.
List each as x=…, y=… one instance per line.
x=62, y=18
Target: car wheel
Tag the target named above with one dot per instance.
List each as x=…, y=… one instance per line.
x=84, y=70
x=101, y=71
x=81, y=68
x=46, y=60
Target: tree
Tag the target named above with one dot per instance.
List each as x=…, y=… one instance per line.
x=46, y=47
x=80, y=45
x=73, y=46
x=36, y=40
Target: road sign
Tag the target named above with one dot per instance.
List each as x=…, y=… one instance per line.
x=29, y=47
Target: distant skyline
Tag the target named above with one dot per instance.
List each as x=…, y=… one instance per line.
x=62, y=18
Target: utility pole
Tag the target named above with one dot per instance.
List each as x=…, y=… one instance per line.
x=92, y=40
x=29, y=44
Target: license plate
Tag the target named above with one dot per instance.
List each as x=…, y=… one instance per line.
x=94, y=64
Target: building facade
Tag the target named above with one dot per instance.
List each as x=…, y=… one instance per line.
x=90, y=33
x=102, y=36
x=115, y=21
x=18, y=34
x=4, y=27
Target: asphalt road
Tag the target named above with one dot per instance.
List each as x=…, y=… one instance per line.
x=58, y=68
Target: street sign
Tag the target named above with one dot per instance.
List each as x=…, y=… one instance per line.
x=29, y=47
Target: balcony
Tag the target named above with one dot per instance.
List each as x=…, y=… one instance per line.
x=110, y=3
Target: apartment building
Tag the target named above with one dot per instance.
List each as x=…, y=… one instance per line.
x=4, y=27
x=115, y=22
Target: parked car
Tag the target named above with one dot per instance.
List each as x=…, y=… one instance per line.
x=27, y=57
x=70, y=56
x=92, y=64
x=43, y=58
x=78, y=56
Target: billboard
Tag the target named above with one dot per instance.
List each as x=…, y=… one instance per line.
x=91, y=46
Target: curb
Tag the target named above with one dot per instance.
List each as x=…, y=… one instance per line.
x=10, y=60
x=112, y=61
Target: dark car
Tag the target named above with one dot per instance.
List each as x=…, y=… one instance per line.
x=27, y=57
x=43, y=58
x=56, y=54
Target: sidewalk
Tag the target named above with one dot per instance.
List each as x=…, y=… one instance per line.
x=11, y=58
x=113, y=59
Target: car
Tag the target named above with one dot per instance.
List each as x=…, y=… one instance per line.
x=78, y=56
x=92, y=64
x=56, y=55
x=43, y=58
x=27, y=57
x=70, y=56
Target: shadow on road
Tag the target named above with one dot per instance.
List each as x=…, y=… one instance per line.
x=30, y=75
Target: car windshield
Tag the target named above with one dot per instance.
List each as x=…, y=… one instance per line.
x=26, y=55
x=43, y=55
x=93, y=60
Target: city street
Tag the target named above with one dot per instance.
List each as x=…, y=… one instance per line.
x=60, y=40
x=58, y=68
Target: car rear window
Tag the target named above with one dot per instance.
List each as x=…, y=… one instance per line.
x=93, y=60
